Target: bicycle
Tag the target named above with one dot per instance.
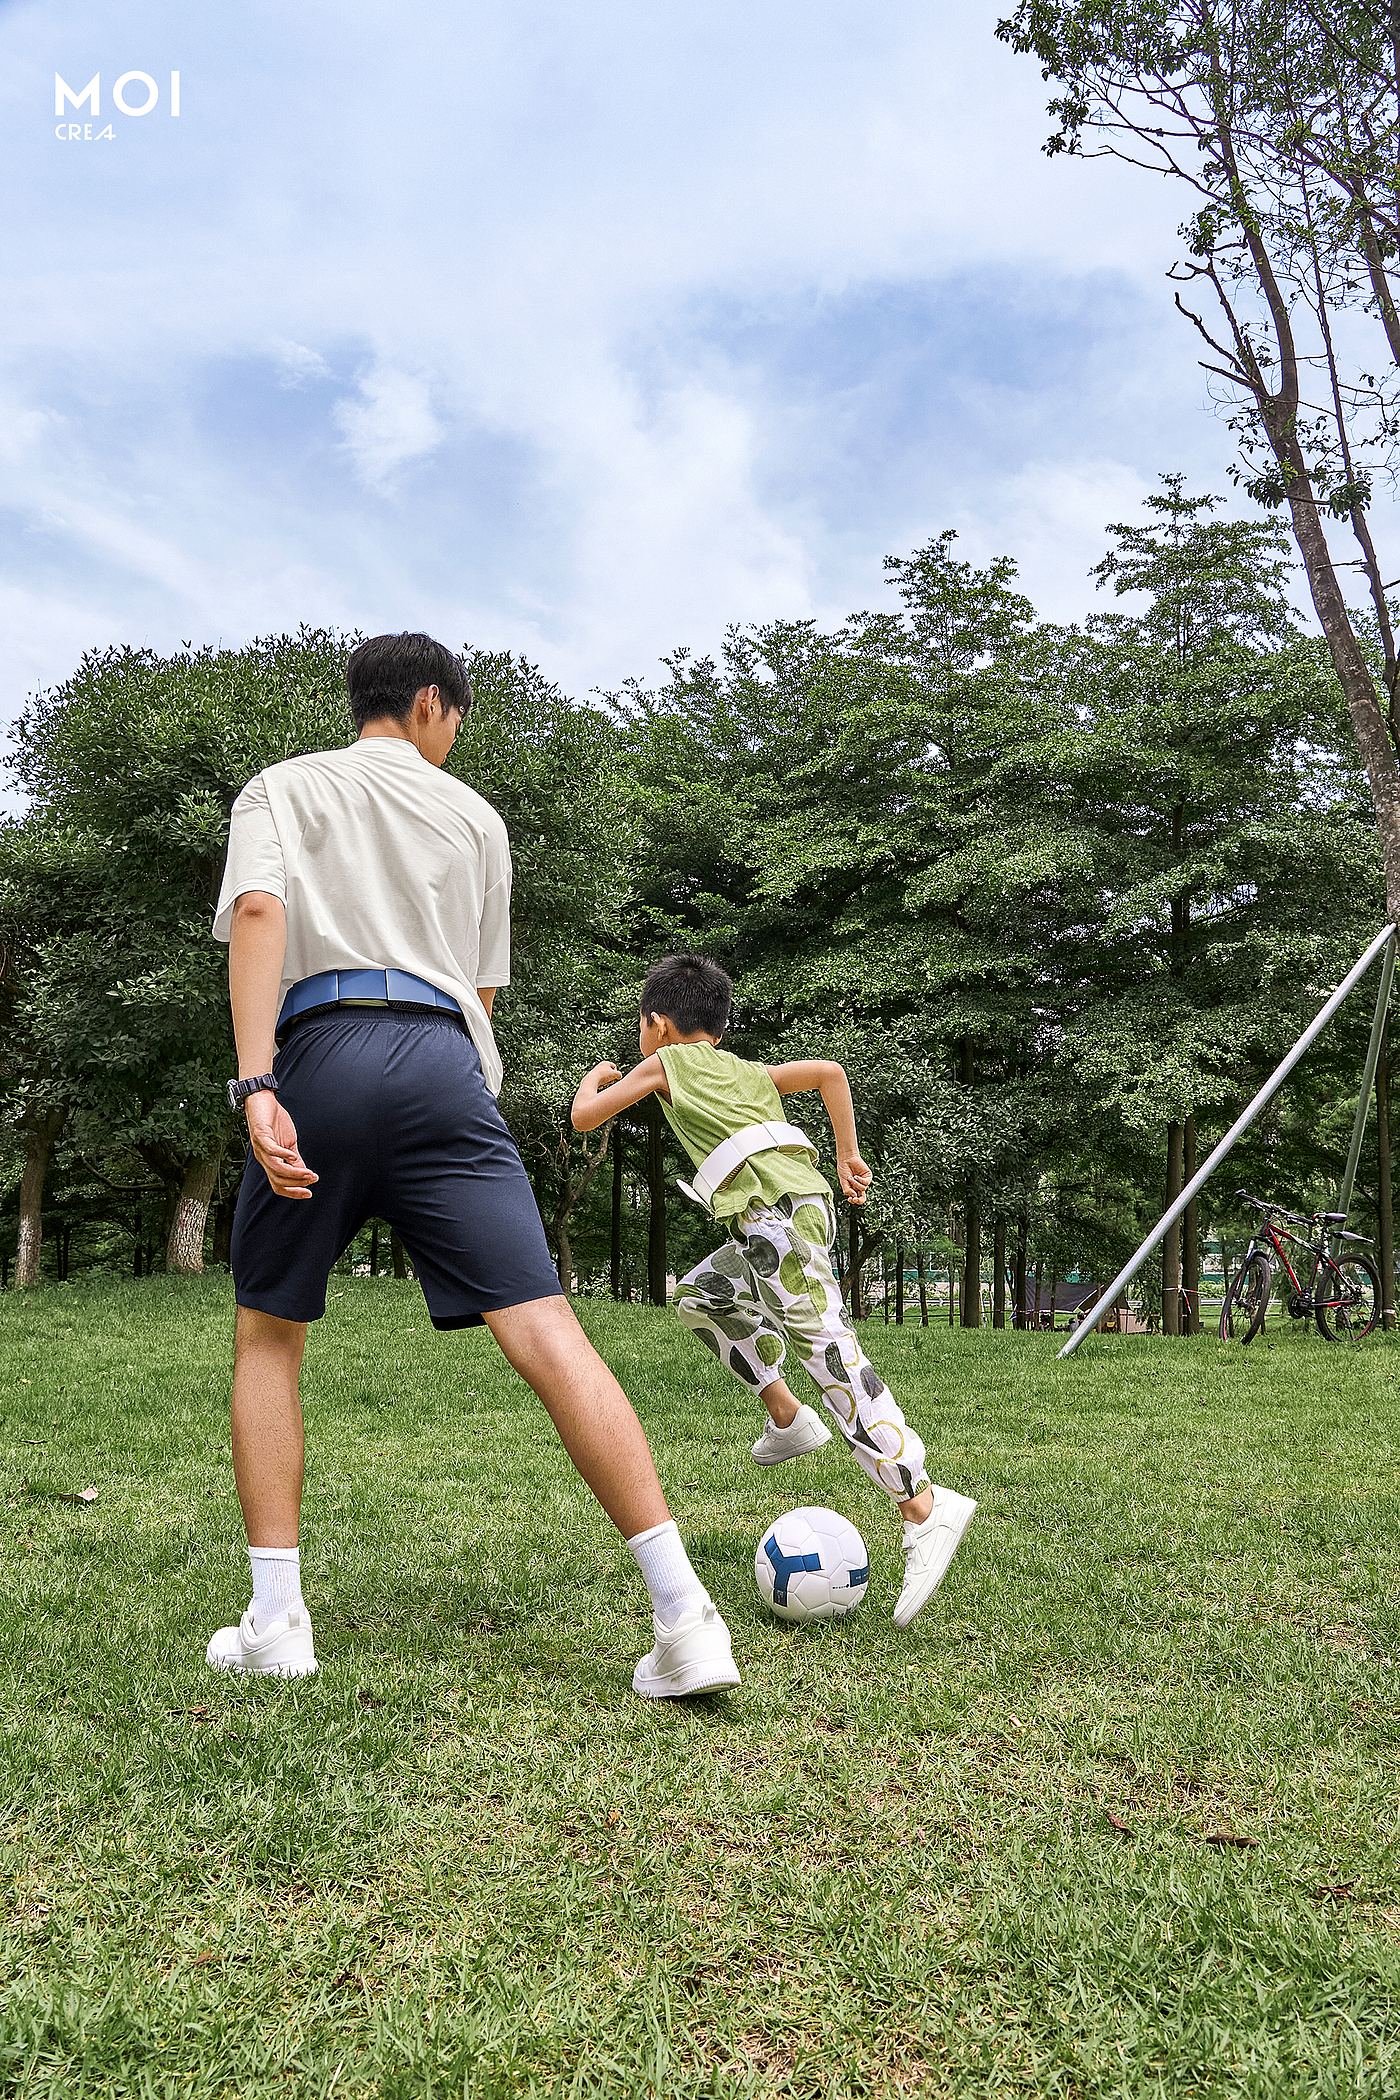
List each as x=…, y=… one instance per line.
x=1343, y=1295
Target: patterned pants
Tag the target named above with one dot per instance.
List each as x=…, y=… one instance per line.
x=772, y=1283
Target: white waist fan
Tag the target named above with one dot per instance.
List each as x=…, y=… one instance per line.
x=731, y=1153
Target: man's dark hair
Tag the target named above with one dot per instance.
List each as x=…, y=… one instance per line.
x=384, y=673
x=694, y=994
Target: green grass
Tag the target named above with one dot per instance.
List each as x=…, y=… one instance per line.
x=466, y=1860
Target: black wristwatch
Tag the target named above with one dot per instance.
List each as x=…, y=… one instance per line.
x=240, y=1089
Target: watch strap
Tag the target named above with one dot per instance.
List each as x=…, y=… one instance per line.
x=240, y=1089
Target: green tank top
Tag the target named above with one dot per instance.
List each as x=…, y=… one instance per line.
x=714, y=1094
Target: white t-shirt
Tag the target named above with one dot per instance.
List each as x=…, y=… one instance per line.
x=384, y=862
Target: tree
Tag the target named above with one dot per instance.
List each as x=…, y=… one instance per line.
x=134, y=762
x=1282, y=119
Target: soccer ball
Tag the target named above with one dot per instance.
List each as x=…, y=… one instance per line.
x=811, y=1564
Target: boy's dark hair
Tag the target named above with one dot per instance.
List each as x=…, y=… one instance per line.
x=384, y=673
x=694, y=994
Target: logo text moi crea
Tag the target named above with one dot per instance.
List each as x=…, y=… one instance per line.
x=134, y=94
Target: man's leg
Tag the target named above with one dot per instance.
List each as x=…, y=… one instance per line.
x=596, y=1424
x=268, y=1459
x=594, y=1417
x=269, y=1444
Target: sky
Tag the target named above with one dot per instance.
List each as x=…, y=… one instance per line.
x=579, y=332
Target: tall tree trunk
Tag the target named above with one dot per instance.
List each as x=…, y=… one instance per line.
x=41, y=1133
x=656, y=1190
x=572, y=1189
x=397, y=1256
x=1190, y=1236
x=1022, y=1317
x=1039, y=1273
x=955, y=1275
x=921, y=1260
x=1385, y=1221
x=1171, y=1245
x=374, y=1247
x=615, y=1248
x=999, y=1271
x=972, y=1261
x=184, y=1250
x=899, y=1283
x=1054, y=1292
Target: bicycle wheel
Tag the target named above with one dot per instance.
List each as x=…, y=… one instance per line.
x=1348, y=1298
x=1247, y=1301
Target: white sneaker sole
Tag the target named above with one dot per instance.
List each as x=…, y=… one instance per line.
x=958, y=1512
x=692, y=1677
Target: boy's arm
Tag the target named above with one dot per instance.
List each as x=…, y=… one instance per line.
x=593, y=1106
x=822, y=1075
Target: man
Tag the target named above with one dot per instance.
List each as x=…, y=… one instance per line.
x=366, y=903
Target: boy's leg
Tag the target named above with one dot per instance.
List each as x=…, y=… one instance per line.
x=721, y=1302
x=718, y=1301
x=788, y=1257
x=869, y=1418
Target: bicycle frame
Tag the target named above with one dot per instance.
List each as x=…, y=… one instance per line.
x=1274, y=1237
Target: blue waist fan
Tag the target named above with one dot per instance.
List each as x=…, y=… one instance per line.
x=331, y=988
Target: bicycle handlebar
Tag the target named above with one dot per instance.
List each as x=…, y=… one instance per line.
x=1275, y=1210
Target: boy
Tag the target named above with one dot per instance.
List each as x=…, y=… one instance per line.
x=773, y=1281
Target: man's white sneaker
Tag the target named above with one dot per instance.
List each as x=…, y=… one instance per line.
x=694, y=1655
x=805, y=1432
x=929, y=1548
x=282, y=1648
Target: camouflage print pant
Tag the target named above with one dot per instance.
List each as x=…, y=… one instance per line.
x=772, y=1283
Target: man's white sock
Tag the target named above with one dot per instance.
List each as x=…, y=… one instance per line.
x=672, y=1584
x=276, y=1581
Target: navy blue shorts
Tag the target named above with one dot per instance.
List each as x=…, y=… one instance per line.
x=392, y=1112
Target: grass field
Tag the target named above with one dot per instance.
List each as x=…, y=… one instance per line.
x=1117, y=1816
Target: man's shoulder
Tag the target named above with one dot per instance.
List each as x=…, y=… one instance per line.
x=309, y=771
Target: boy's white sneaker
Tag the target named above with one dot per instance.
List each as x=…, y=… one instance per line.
x=282, y=1648
x=929, y=1548
x=805, y=1432
x=693, y=1655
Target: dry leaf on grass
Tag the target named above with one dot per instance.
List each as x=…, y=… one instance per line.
x=1119, y=1824
x=1229, y=1837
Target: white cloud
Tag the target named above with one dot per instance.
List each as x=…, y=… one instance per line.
x=390, y=424
x=298, y=366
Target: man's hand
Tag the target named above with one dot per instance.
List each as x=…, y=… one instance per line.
x=854, y=1175
x=273, y=1136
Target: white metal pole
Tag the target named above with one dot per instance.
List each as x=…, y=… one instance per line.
x=1230, y=1140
